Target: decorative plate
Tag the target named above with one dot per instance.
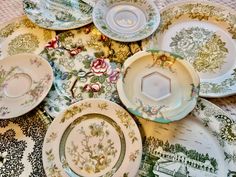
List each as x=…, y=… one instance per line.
x=21, y=142
x=126, y=20
x=203, y=144
x=22, y=36
x=25, y=80
x=96, y=138
x=204, y=34
x=86, y=65
x=158, y=85
x=57, y=14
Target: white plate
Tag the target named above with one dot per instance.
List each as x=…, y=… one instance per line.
x=20, y=35
x=201, y=145
x=158, y=85
x=204, y=34
x=58, y=14
x=96, y=138
x=25, y=80
x=126, y=20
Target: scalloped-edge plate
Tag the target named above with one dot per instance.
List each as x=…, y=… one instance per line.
x=126, y=20
x=203, y=144
x=158, y=85
x=58, y=15
x=25, y=80
x=205, y=35
x=97, y=138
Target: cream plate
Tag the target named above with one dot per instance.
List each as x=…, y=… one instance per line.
x=202, y=145
x=158, y=85
x=126, y=20
x=204, y=34
x=58, y=14
x=22, y=36
x=25, y=79
x=97, y=138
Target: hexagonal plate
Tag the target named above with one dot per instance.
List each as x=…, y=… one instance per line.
x=156, y=86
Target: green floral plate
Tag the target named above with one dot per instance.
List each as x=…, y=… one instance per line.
x=22, y=36
x=126, y=20
x=86, y=64
x=158, y=86
x=97, y=138
x=58, y=14
x=202, y=144
x=204, y=34
x=25, y=80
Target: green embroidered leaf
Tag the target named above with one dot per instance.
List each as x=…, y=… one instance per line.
x=102, y=79
x=94, y=79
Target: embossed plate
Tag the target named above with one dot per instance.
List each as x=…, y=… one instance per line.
x=158, y=85
x=201, y=145
x=22, y=36
x=25, y=80
x=86, y=64
x=97, y=138
x=204, y=34
x=126, y=20
x=58, y=14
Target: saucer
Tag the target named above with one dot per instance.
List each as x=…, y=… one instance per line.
x=125, y=20
x=97, y=138
x=158, y=85
x=25, y=80
x=58, y=16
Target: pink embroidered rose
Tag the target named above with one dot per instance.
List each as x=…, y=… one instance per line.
x=100, y=66
x=53, y=43
x=76, y=51
x=114, y=76
x=94, y=87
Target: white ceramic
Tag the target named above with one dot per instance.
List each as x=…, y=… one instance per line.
x=126, y=20
x=20, y=35
x=97, y=138
x=201, y=145
x=58, y=14
x=204, y=34
x=158, y=85
x=25, y=79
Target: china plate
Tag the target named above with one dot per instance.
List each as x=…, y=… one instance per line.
x=126, y=20
x=57, y=14
x=21, y=142
x=25, y=80
x=204, y=34
x=22, y=36
x=158, y=85
x=202, y=144
x=96, y=138
x=86, y=63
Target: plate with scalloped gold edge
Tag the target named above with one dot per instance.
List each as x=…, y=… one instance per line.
x=158, y=85
x=20, y=35
x=97, y=138
x=202, y=144
x=25, y=80
x=205, y=35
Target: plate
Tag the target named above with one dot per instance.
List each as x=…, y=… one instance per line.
x=25, y=81
x=21, y=142
x=96, y=138
x=203, y=144
x=20, y=35
x=126, y=20
x=85, y=62
x=204, y=34
x=158, y=85
x=57, y=14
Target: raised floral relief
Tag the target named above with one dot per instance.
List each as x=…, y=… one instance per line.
x=93, y=157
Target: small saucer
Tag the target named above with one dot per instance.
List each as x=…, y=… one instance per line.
x=158, y=85
x=57, y=14
x=125, y=20
x=25, y=79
